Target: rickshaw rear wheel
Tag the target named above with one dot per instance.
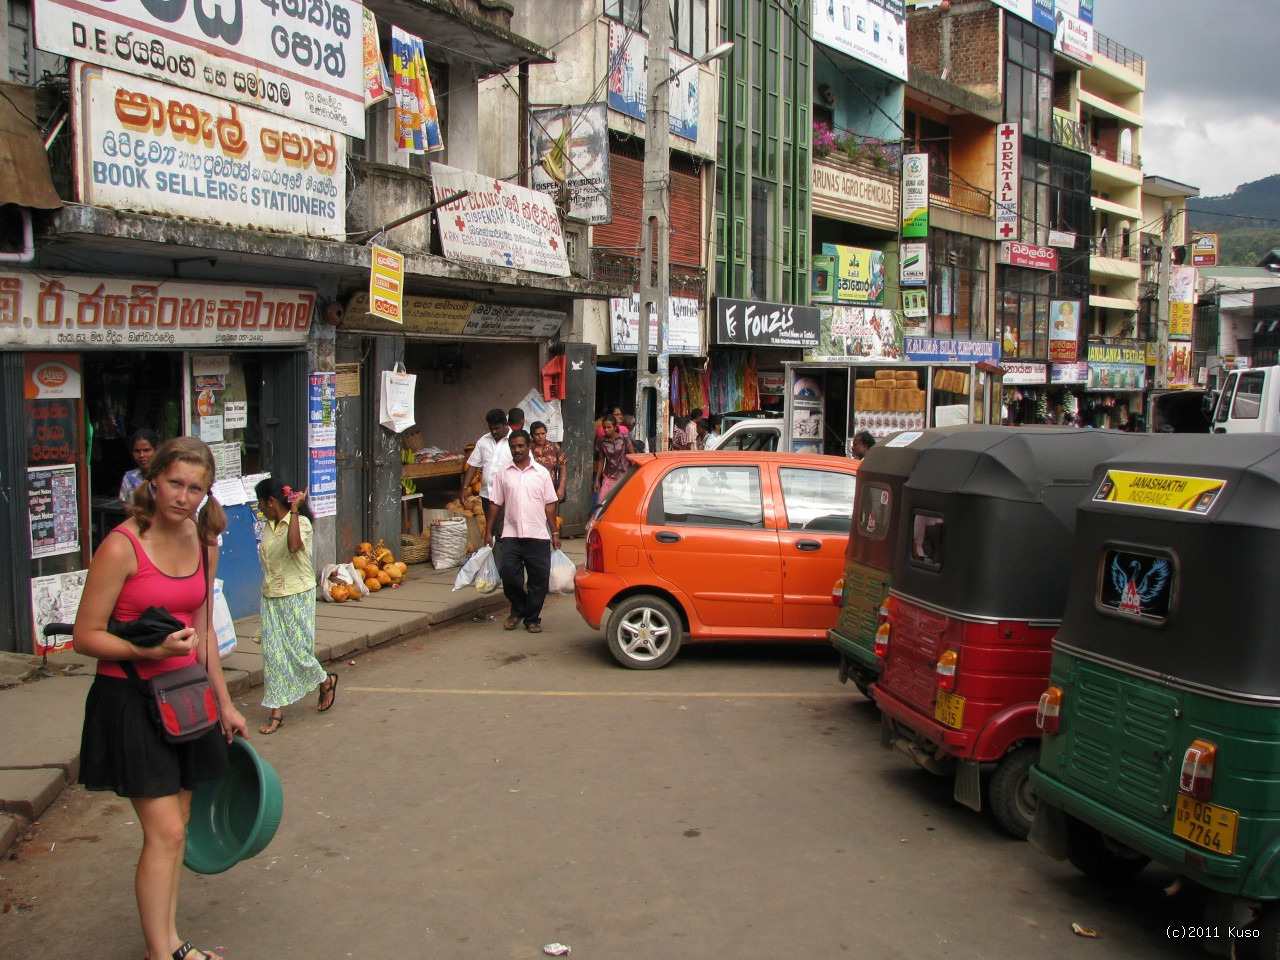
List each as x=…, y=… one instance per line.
x=1266, y=945
x=863, y=679
x=1012, y=799
x=1099, y=858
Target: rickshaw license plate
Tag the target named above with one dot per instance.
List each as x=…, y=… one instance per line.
x=1205, y=825
x=948, y=709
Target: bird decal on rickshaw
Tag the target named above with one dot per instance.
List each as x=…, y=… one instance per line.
x=1135, y=586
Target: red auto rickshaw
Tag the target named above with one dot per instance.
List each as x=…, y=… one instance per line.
x=978, y=591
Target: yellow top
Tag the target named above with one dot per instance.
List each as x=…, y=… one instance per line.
x=285, y=573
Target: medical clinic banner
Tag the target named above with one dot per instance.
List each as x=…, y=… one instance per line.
x=153, y=148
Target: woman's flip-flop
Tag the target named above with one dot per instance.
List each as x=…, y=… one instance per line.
x=273, y=724
x=328, y=693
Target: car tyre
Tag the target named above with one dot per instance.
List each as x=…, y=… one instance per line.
x=1099, y=858
x=1012, y=799
x=644, y=632
x=1265, y=945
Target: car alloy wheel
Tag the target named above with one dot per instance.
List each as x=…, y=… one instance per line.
x=644, y=632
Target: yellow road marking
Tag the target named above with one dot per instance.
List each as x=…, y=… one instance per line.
x=726, y=695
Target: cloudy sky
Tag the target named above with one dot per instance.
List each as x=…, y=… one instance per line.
x=1213, y=67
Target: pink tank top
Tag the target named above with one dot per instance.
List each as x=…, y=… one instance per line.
x=150, y=587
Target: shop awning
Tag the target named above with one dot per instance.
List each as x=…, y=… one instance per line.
x=24, y=165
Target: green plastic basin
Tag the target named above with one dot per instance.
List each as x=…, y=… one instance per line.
x=234, y=818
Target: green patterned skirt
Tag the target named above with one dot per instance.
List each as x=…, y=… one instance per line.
x=290, y=669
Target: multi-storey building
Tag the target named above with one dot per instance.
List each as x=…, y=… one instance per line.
x=186, y=249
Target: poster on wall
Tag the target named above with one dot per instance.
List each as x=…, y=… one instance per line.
x=570, y=147
x=55, y=599
x=1182, y=302
x=322, y=481
x=55, y=512
x=1064, y=330
x=51, y=388
x=629, y=81
x=858, y=333
x=322, y=422
x=684, y=331
x=859, y=274
x=148, y=147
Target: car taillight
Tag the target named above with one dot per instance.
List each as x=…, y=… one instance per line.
x=1048, y=710
x=946, y=670
x=837, y=592
x=1197, y=770
x=595, y=552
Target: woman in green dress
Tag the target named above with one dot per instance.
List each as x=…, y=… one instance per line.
x=290, y=669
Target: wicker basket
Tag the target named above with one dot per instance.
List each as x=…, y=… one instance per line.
x=414, y=548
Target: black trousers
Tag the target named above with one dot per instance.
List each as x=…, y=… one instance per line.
x=521, y=559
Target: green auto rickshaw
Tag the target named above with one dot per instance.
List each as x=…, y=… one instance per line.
x=1161, y=722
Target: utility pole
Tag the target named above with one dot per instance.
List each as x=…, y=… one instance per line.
x=1162, y=301
x=655, y=264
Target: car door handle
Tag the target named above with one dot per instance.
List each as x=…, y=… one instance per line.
x=808, y=545
x=666, y=536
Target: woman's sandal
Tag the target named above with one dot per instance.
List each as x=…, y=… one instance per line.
x=187, y=950
x=328, y=693
x=274, y=723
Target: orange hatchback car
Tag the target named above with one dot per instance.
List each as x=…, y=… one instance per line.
x=716, y=545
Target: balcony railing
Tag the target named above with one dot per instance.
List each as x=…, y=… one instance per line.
x=1071, y=133
x=1123, y=157
x=612, y=266
x=957, y=195
x=1118, y=54
x=1114, y=248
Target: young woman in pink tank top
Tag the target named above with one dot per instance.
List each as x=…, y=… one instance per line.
x=155, y=558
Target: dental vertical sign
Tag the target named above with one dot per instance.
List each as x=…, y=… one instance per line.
x=1008, y=180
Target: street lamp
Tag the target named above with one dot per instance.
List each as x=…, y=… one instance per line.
x=655, y=266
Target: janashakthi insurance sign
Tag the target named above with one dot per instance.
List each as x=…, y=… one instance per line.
x=153, y=148
x=298, y=59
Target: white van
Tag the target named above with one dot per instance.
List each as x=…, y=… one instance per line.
x=755, y=434
x=1249, y=402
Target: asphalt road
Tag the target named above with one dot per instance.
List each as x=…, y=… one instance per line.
x=479, y=794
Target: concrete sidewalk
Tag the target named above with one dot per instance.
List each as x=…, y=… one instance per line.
x=42, y=709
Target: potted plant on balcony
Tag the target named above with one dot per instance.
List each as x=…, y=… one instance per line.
x=879, y=153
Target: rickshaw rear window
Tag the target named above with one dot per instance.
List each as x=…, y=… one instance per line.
x=1136, y=585
x=875, y=500
x=926, y=540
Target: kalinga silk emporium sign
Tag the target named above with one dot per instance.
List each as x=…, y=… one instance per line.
x=89, y=313
x=154, y=148
x=297, y=59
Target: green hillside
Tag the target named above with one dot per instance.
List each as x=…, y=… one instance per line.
x=1246, y=221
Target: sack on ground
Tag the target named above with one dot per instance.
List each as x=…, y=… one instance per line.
x=224, y=627
x=344, y=573
x=562, y=573
x=471, y=569
x=448, y=542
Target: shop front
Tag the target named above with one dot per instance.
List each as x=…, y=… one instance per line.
x=1117, y=380
x=90, y=360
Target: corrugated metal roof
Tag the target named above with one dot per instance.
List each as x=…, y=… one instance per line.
x=24, y=165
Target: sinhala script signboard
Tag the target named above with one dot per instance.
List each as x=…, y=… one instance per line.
x=297, y=59
x=149, y=147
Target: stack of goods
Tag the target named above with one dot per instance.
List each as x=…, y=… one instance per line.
x=951, y=381
x=892, y=401
x=472, y=510
x=377, y=566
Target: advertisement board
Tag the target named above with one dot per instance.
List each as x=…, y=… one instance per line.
x=499, y=224
x=757, y=323
x=859, y=274
x=299, y=60
x=872, y=31
x=150, y=147
x=1008, y=180
x=579, y=162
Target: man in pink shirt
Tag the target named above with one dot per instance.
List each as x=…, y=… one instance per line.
x=523, y=490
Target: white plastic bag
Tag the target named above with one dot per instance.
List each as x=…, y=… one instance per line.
x=471, y=570
x=395, y=406
x=562, y=573
x=224, y=627
x=487, y=578
x=342, y=573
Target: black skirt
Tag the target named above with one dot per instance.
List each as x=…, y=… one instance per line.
x=121, y=748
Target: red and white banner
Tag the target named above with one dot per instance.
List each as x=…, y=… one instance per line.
x=1008, y=180
x=1027, y=255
